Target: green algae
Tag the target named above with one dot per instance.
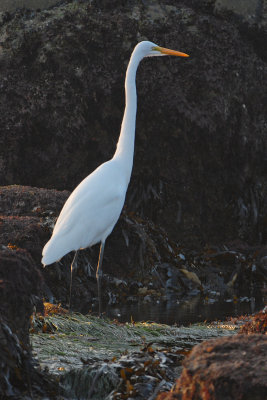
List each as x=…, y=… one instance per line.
x=78, y=337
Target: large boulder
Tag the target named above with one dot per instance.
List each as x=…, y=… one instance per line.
x=226, y=368
x=200, y=147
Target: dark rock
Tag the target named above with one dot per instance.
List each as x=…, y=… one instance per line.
x=137, y=252
x=250, y=10
x=221, y=369
x=11, y=5
x=23, y=232
x=133, y=249
x=137, y=375
x=200, y=152
x=20, y=287
x=18, y=377
x=30, y=201
x=200, y=167
x=27, y=215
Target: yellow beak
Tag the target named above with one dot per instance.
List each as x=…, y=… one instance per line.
x=171, y=52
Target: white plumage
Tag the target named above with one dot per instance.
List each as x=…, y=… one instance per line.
x=92, y=210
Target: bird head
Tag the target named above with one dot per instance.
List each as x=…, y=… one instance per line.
x=150, y=49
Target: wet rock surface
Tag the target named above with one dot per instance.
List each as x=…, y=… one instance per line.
x=110, y=360
x=222, y=369
x=164, y=269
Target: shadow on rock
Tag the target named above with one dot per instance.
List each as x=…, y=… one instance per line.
x=20, y=284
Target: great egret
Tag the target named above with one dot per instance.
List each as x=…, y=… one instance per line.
x=93, y=208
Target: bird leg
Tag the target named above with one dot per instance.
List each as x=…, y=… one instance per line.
x=99, y=274
x=74, y=262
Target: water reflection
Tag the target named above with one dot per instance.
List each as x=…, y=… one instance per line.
x=191, y=311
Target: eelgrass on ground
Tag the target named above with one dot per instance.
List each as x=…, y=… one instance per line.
x=60, y=341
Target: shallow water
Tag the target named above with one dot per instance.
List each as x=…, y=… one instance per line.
x=194, y=310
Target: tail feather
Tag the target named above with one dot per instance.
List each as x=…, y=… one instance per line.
x=54, y=250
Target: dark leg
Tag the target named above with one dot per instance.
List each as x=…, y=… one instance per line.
x=99, y=274
x=71, y=270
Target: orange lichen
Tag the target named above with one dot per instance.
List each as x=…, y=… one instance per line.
x=12, y=246
x=50, y=309
x=257, y=324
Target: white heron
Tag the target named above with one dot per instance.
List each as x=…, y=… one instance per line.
x=93, y=208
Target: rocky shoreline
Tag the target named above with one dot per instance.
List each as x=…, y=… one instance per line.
x=157, y=267
x=195, y=219
x=22, y=237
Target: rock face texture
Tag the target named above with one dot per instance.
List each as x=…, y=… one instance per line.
x=199, y=172
x=140, y=259
x=222, y=369
x=250, y=10
x=200, y=165
x=11, y=5
x=20, y=286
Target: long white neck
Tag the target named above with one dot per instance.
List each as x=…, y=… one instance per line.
x=125, y=145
